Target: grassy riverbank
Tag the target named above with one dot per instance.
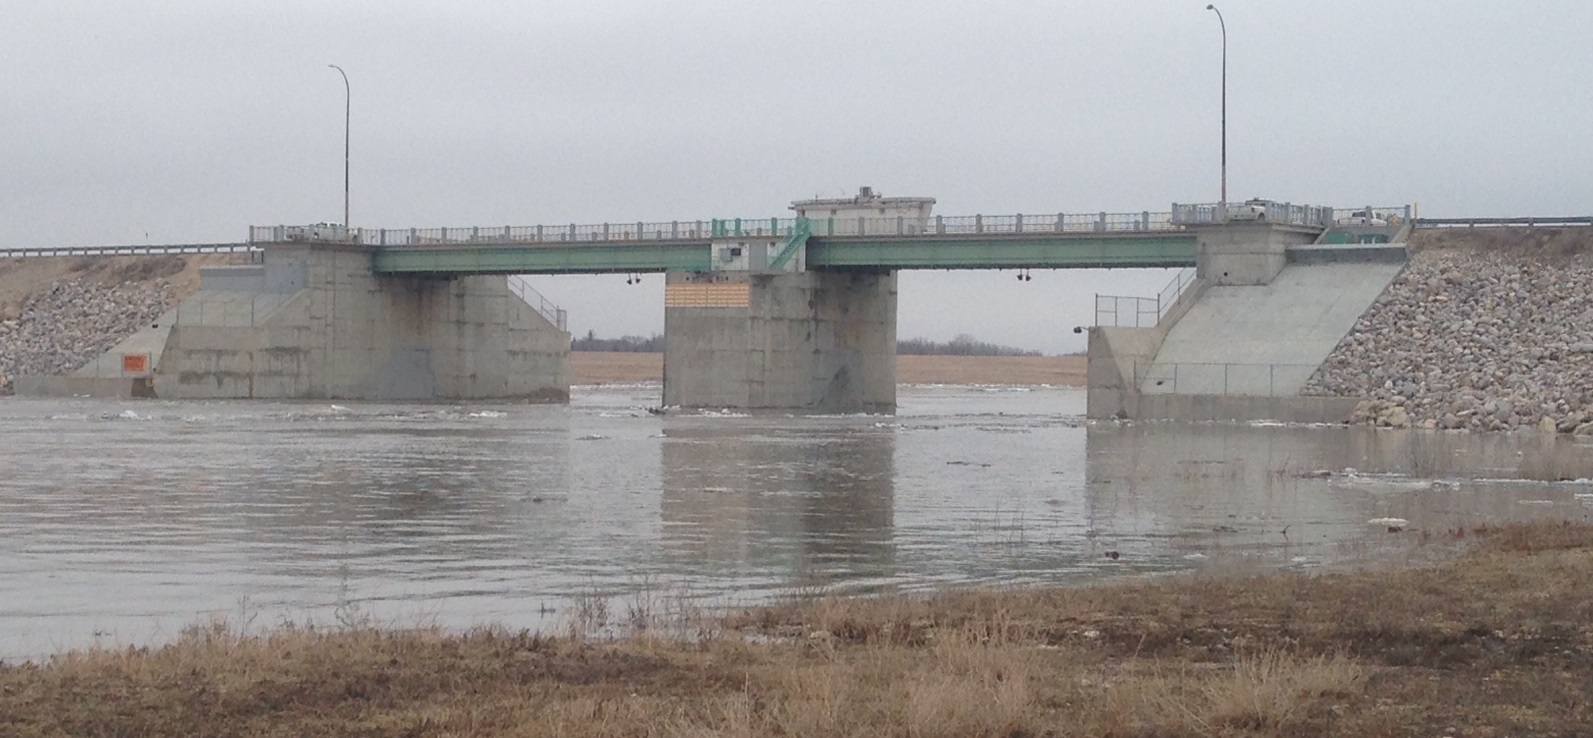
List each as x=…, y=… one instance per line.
x=603, y=367
x=1493, y=642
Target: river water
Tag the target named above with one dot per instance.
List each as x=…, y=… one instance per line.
x=122, y=522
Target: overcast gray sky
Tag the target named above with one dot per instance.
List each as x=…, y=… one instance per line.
x=189, y=120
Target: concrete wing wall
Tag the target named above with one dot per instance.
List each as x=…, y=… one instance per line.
x=486, y=342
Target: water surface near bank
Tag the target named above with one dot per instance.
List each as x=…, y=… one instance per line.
x=122, y=522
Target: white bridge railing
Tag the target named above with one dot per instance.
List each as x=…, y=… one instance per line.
x=698, y=230
x=1212, y=213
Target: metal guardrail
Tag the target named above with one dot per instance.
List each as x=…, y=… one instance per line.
x=1531, y=221
x=1116, y=311
x=555, y=314
x=699, y=230
x=194, y=248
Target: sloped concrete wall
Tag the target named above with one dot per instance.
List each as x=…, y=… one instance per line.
x=816, y=341
x=1265, y=340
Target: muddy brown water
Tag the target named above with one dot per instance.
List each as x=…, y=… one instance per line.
x=122, y=522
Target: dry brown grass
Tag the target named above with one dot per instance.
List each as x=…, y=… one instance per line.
x=615, y=367
x=603, y=367
x=1498, y=641
x=1067, y=371
x=1515, y=241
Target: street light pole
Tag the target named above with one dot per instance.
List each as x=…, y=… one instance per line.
x=348, y=99
x=1224, y=25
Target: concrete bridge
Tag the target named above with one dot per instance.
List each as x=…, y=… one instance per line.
x=794, y=313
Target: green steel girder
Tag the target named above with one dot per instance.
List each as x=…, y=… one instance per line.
x=972, y=251
x=1003, y=251
x=569, y=258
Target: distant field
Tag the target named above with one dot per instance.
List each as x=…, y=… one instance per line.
x=599, y=367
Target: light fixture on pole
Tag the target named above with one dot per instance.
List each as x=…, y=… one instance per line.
x=348, y=99
x=1224, y=25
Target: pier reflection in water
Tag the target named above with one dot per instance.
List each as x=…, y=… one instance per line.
x=134, y=519
x=801, y=504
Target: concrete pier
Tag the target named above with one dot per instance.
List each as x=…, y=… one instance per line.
x=759, y=331
x=314, y=322
x=815, y=341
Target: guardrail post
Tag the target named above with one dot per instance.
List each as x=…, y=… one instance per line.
x=570, y=234
x=444, y=234
x=412, y=236
x=900, y=222
x=1017, y=224
x=381, y=237
x=674, y=229
x=639, y=233
x=1144, y=220
x=507, y=233
x=539, y=233
x=940, y=225
x=979, y=224
x=1100, y=222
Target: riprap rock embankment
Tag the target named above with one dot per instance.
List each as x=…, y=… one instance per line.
x=60, y=328
x=1497, y=336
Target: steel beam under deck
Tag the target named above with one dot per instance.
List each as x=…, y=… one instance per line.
x=565, y=258
x=970, y=251
x=1004, y=251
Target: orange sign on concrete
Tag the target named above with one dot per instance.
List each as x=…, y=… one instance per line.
x=135, y=363
x=692, y=294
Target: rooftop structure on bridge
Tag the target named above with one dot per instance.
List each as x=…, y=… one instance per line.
x=867, y=213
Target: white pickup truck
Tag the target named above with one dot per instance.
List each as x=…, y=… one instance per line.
x=1364, y=217
x=1253, y=209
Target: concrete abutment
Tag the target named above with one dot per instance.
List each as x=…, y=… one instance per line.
x=313, y=321
x=1258, y=324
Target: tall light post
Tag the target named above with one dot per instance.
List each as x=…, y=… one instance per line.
x=1224, y=25
x=348, y=99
